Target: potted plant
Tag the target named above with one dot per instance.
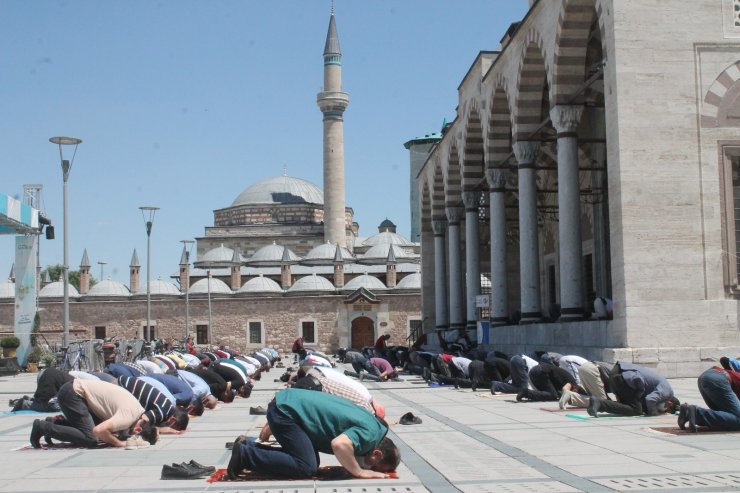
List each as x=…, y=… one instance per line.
x=9, y=345
x=48, y=358
x=32, y=362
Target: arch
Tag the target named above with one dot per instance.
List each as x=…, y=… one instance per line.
x=722, y=99
x=499, y=138
x=438, y=192
x=572, y=43
x=362, y=332
x=453, y=177
x=472, y=155
x=532, y=105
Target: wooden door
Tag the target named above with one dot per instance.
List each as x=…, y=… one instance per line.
x=363, y=333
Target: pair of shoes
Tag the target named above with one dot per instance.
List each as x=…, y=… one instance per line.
x=257, y=410
x=564, y=399
x=181, y=471
x=135, y=442
x=36, y=434
x=692, y=418
x=523, y=394
x=594, y=405
x=409, y=419
x=235, y=466
x=683, y=415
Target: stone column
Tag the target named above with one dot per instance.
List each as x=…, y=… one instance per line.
x=472, y=261
x=529, y=250
x=441, y=314
x=454, y=216
x=499, y=287
x=565, y=119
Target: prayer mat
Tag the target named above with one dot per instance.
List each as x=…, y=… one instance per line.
x=28, y=411
x=489, y=395
x=609, y=416
x=700, y=430
x=555, y=410
x=325, y=473
x=56, y=446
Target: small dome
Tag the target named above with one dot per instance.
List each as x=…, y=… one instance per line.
x=161, y=287
x=326, y=255
x=312, y=283
x=218, y=257
x=7, y=289
x=260, y=284
x=379, y=254
x=364, y=281
x=272, y=256
x=280, y=190
x=386, y=238
x=387, y=223
x=56, y=290
x=412, y=281
x=217, y=287
x=108, y=287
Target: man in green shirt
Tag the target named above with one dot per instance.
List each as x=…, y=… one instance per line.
x=305, y=423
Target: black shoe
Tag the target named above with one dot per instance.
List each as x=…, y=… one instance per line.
x=177, y=472
x=473, y=387
x=257, y=410
x=457, y=383
x=522, y=395
x=198, y=471
x=692, y=418
x=409, y=419
x=594, y=405
x=235, y=463
x=36, y=434
x=210, y=469
x=683, y=416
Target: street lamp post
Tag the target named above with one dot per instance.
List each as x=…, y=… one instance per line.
x=147, y=212
x=186, y=245
x=101, y=263
x=66, y=168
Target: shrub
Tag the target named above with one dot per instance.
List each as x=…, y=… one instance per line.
x=10, y=342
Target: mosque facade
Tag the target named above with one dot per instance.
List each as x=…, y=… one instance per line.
x=283, y=260
x=595, y=154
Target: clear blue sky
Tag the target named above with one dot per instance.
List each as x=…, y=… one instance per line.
x=183, y=104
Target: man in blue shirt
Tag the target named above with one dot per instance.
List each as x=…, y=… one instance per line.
x=305, y=423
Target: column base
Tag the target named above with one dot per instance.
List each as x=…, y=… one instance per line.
x=530, y=318
x=572, y=314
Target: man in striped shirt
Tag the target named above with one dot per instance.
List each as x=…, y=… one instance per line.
x=159, y=409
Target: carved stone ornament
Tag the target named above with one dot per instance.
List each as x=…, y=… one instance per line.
x=526, y=151
x=566, y=118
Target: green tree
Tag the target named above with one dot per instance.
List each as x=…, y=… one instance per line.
x=55, y=274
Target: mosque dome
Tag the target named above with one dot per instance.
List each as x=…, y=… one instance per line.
x=386, y=238
x=56, y=290
x=260, y=284
x=412, y=281
x=326, y=254
x=280, y=190
x=272, y=255
x=217, y=287
x=379, y=254
x=108, y=287
x=7, y=289
x=217, y=257
x=160, y=287
x=312, y=283
x=364, y=281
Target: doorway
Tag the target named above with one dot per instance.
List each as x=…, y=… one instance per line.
x=363, y=332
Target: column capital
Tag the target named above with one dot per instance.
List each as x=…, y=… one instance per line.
x=439, y=226
x=454, y=214
x=526, y=151
x=566, y=118
x=496, y=179
x=471, y=200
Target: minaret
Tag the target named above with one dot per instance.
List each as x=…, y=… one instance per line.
x=134, y=273
x=332, y=103
x=85, y=273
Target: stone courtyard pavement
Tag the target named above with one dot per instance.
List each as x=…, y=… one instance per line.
x=468, y=442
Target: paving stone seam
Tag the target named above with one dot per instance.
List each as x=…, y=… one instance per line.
x=430, y=477
x=525, y=458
